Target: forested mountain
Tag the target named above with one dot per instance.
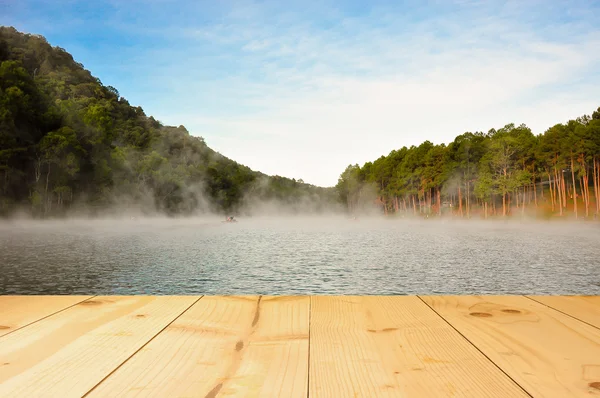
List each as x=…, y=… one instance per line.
x=497, y=173
x=68, y=142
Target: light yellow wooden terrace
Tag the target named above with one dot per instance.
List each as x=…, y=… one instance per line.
x=299, y=346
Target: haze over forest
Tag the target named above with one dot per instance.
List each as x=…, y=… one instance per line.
x=71, y=145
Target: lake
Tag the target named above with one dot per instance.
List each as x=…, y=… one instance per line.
x=299, y=256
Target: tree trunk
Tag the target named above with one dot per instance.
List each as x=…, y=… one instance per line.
x=597, y=189
x=531, y=192
x=485, y=209
x=467, y=201
x=587, y=192
x=551, y=191
x=460, y=211
x=558, y=191
x=574, y=187
x=38, y=169
x=584, y=193
x=429, y=200
x=586, y=180
x=439, y=201
x=46, y=207
x=558, y=185
x=561, y=190
x=414, y=205
x=564, y=189
x=596, y=186
x=553, y=187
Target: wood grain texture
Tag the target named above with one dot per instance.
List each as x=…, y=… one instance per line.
x=394, y=347
x=18, y=311
x=548, y=353
x=67, y=354
x=585, y=308
x=223, y=346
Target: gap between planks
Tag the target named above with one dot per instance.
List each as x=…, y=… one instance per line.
x=392, y=346
x=44, y=316
x=542, y=302
x=477, y=348
x=310, y=324
x=547, y=352
x=223, y=346
x=139, y=349
x=54, y=355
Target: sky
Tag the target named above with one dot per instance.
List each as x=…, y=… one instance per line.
x=302, y=89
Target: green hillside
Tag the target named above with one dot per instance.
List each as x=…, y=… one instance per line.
x=67, y=143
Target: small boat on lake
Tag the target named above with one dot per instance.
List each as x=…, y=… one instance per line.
x=230, y=219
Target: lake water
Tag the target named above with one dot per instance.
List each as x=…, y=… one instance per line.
x=299, y=256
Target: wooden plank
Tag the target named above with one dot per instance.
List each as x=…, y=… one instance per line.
x=225, y=346
x=67, y=354
x=394, y=346
x=585, y=308
x=18, y=311
x=548, y=353
x=276, y=363
x=229, y=345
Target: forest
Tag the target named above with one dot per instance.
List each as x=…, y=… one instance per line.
x=69, y=144
x=504, y=172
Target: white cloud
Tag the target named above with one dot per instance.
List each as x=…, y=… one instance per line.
x=304, y=101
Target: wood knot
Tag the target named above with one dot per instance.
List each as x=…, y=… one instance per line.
x=91, y=302
x=595, y=385
x=511, y=311
x=4, y=327
x=382, y=330
x=213, y=393
x=480, y=314
x=140, y=316
x=239, y=345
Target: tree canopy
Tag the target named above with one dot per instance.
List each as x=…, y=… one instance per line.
x=494, y=173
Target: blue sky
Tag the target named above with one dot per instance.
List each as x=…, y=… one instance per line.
x=304, y=88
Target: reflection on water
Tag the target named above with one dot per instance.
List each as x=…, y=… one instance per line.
x=308, y=256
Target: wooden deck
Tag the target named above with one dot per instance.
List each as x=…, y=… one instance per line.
x=299, y=346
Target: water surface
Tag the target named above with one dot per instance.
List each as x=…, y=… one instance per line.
x=299, y=256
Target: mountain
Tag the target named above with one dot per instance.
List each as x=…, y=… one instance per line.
x=70, y=144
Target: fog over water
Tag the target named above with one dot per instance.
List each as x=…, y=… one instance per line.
x=298, y=255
